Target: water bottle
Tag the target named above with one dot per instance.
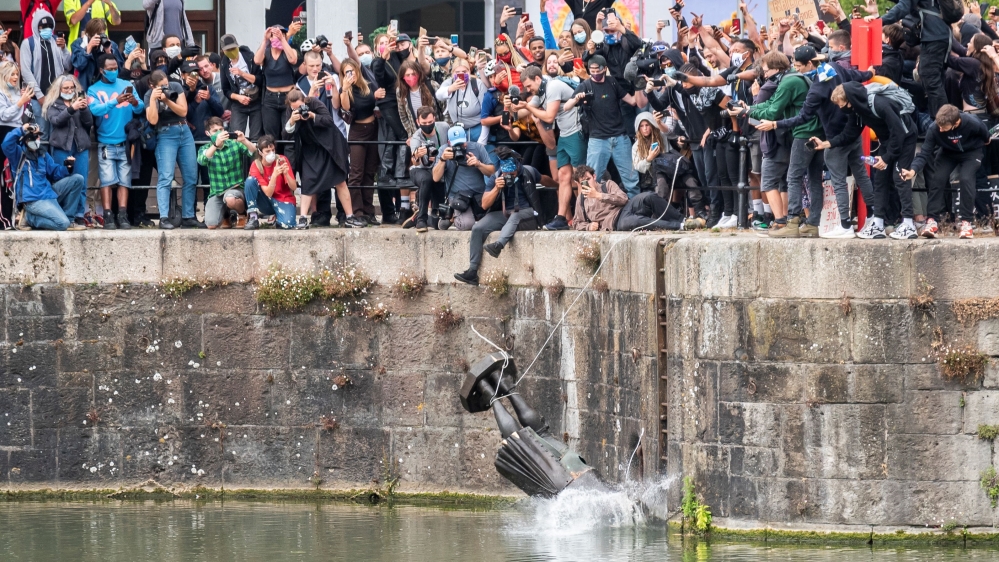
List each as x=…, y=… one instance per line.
x=869, y=160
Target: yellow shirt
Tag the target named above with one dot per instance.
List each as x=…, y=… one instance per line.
x=99, y=9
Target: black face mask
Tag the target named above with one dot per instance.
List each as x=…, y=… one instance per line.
x=404, y=54
x=427, y=129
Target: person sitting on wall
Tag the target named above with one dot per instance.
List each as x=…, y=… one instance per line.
x=426, y=143
x=270, y=189
x=604, y=206
x=462, y=169
x=47, y=206
x=510, y=202
x=224, y=159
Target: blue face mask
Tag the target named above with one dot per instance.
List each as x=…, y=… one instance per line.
x=669, y=71
x=610, y=39
x=443, y=61
x=110, y=76
x=45, y=34
x=580, y=37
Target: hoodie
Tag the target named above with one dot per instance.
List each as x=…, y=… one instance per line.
x=34, y=172
x=32, y=56
x=893, y=129
x=641, y=163
x=818, y=102
x=970, y=134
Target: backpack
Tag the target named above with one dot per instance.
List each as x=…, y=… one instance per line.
x=951, y=11
x=892, y=92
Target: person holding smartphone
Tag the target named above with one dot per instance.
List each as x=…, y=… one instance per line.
x=359, y=98
x=68, y=114
x=279, y=61
x=603, y=206
x=394, y=159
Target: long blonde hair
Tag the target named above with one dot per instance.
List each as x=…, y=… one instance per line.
x=7, y=69
x=644, y=144
x=359, y=82
x=55, y=92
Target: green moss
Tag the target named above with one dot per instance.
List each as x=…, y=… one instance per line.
x=988, y=432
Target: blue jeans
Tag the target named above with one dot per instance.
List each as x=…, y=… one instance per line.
x=175, y=146
x=600, y=151
x=53, y=214
x=81, y=167
x=258, y=202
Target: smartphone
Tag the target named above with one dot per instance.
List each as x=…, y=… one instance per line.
x=665, y=23
x=128, y=90
x=518, y=11
x=62, y=34
x=654, y=146
x=678, y=7
x=393, y=27
x=821, y=25
x=736, y=26
x=754, y=122
x=322, y=75
x=472, y=52
x=505, y=119
x=303, y=17
x=349, y=35
x=463, y=77
x=658, y=83
x=811, y=145
x=454, y=38
x=577, y=63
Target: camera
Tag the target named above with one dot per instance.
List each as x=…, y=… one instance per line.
x=588, y=96
x=322, y=41
x=105, y=41
x=432, y=152
x=459, y=153
x=508, y=180
x=445, y=213
x=303, y=110
x=32, y=133
x=69, y=162
x=172, y=96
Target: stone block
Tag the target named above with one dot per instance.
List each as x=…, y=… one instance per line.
x=221, y=254
x=926, y=412
x=278, y=456
x=121, y=401
x=161, y=343
x=760, y=382
x=80, y=451
x=825, y=384
x=555, y=257
x=445, y=253
x=615, y=253
x=882, y=333
x=728, y=267
x=322, y=342
x=934, y=503
x=988, y=337
x=698, y=391
x=382, y=252
x=980, y=408
x=235, y=397
x=797, y=330
x=516, y=260
x=748, y=424
x=944, y=264
x=260, y=341
x=876, y=383
x=88, y=356
x=927, y=376
x=755, y=462
x=38, y=301
x=60, y=407
x=828, y=269
x=643, y=250
x=30, y=257
x=937, y=457
x=308, y=250
x=722, y=333
x=426, y=456
x=476, y=455
x=354, y=456
x=15, y=418
x=34, y=465
x=442, y=407
x=123, y=256
x=29, y=365
x=403, y=398
x=834, y=441
x=682, y=269
x=40, y=328
x=852, y=501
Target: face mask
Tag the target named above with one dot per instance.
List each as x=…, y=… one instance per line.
x=214, y=136
x=232, y=54
x=366, y=59
x=110, y=76
x=163, y=68
x=737, y=59
x=427, y=129
x=34, y=145
x=45, y=34
x=275, y=43
x=610, y=39
x=443, y=61
x=669, y=71
x=172, y=52
x=812, y=73
x=66, y=96
x=270, y=157
x=505, y=58
x=598, y=76
x=579, y=37
x=412, y=81
x=404, y=53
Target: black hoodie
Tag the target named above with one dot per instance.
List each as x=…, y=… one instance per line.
x=893, y=129
x=970, y=134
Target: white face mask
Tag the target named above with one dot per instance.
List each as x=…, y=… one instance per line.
x=66, y=96
x=172, y=52
x=34, y=145
x=737, y=59
x=270, y=157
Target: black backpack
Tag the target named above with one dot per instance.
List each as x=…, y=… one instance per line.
x=951, y=11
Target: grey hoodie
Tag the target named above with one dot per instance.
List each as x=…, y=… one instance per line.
x=31, y=56
x=154, y=35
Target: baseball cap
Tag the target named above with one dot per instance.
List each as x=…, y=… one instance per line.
x=46, y=23
x=456, y=135
x=402, y=37
x=805, y=53
x=597, y=60
x=228, y=42
x=188, y=67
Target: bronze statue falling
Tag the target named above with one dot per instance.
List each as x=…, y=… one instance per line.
x=529, y=456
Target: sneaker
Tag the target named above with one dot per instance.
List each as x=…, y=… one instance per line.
x=192, y=223
x=74, y=226
x=252, y=223
x=443, y=224
x=409, y=222
x=493, y=249
x=371, y=220
x=354, y=222
x=301, y=223
x=806, y=230
x=81, y=221
x=839, y=232
x=904, y=232
x=233, y=218
x=694, y=223
x=165, y=224
x=728, y=221
x=558, y=223
x=931, y=230
x=872, y=232
x=421, y=226
x=109, y=223
x=405, y=215
x=93, y=220
x=471, y=277
x=760, y=225
x=22, y=220
x=123, y=221
x=790, y=230
x=967, y=233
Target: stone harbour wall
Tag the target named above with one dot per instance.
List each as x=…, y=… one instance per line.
x=108, y=383
x=804, y=388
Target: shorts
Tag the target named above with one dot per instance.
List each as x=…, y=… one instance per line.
x=571, y=150
x=113, y=165
x=216, y=205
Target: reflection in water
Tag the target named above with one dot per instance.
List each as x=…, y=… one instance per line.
x=565, y=528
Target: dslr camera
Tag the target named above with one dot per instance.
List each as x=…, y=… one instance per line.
x=432, y=152
x=460, y=154
x=508, y=180
x=172, y=96
x=322, y=41
x=303, y=110
x=105, y=42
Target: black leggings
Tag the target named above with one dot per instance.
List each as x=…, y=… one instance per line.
x=727, y=166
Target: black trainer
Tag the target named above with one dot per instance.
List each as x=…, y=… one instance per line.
x=123, y=221
x=166, y=225
x=391, y=218
x=493, y=249
x=421, y=225
x=192, y=223
x=252, y=223
x=354, y=222
x=109, y=222
x=471, y=277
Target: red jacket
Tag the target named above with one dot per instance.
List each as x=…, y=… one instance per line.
x=28, y=9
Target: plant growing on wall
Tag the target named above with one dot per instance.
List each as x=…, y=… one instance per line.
x=990, y=483
x=698, y=514
x=966, y=363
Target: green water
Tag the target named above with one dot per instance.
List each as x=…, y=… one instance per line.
x=248, y=531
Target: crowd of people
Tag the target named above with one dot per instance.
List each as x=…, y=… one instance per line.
x=586, y=128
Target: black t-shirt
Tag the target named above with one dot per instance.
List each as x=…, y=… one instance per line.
x=742, y=90
x=706, y=101
x=605, y=109
x=167, y=116
x=588, y=10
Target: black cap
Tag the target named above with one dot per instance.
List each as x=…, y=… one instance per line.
x=46, y=23
x=598, y=60
x=228, y=41
x=402, y=37
x=188, y=67
x=807, y=53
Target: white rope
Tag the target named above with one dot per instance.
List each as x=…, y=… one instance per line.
x=506, y=362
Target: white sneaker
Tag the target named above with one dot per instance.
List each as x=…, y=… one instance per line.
x=904, y=232
x=839, y=232
x=728, y=221
x=871, y=231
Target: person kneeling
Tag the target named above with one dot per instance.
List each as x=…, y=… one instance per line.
x=510, y=201
x=270, y=189
x=224, y=159
x=604, y=206
x=46, y=206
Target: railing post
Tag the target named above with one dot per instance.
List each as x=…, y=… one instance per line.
x=743, y=202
